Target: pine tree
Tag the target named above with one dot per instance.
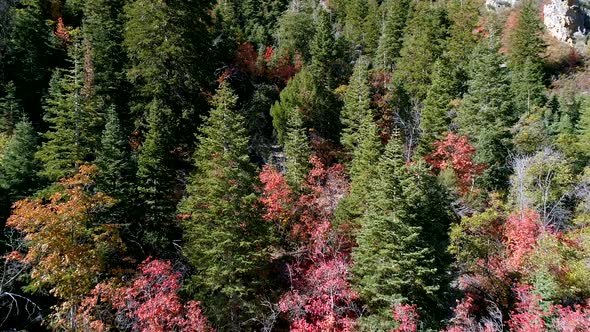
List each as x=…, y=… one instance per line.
x=394, y=261
x=28, y=59
x=486, y=114
x=167, y=43
x=526, y=40
x=10, y=110
x=157, y=181
x=297, y=150
x=527, y=86
x=357, y=104
x=354, y=23
x=103, y=29
x=224, y=236
x=464, y=17
x=362, y=172
x=423, y=44
x=72, y=118
x=114, y=161
x=390, y=42
x=322, y=44
x=435, y=118
x=17, y=164
x=372, y=28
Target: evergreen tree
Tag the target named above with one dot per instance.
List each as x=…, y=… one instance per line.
x=526, y=58
x=526, y=40
x=167, y=43
x=527, y=86
x=435, y=117
x=17, y=163
x=464, y=18
x=362, y=172
x=395, y=261
x=423, y=43
x=372, y=28
x=486, y=114
x=114, y=161
x=357, y=104
x=224, y=236
x=297, y=150
x=103, y=29
x=10, y=110
x=322, y=44
x=157, y=181
x=390, y=43
x=72, y=118
x=354, y=23
x=28, y=59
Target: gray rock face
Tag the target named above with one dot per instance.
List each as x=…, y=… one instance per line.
x=498, y=4
x=564, y=18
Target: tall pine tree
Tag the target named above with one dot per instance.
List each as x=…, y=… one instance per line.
x=225, y=238
x=10, y=109
x=17, y=163
x=72, y=117
x=297, y=150
x=396, y=260
x=390, y=43
x=357, y=104
x=487, y=113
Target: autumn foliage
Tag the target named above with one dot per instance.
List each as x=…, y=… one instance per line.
x=456, y=153
x=320, y=296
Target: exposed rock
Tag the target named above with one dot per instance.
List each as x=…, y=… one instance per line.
x=498, y=4
x=564, y=18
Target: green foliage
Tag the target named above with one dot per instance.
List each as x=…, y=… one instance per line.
x=114, y=161
x=17, y=162
x=399, y=257
x=322, y=44
x=354, y=22
x=30, y=47
x=486, y=114
x=583, y=132
x=156, y=180
x=297, y=151
x=357, y=104
x=526, y=40
x=73, y=120
x=10, y=110
x=435, y=116
x=530, y=132
x=372, y=28
x=225, y=238
x=396, y=13
x=527, y=86
x=295, y=30
x=260, y=17
x=103, y=29
x=423, y=43
x=167, y=44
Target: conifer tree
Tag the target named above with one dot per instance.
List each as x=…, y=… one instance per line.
x=354, y=23
x=17, y=163
x=72, y=118
x=28, y=59
x=372, y=28
x=224, y=236
x=394, y=261
x=357, y=104
x=103, y=29
x=167, y=43
x=423, y=44
x=435, y=118
x=114, y=161
x=297, y=150
x=464, y=18
x=10, y=110
x=157, y=181
x=526, y=58
x=362, y=172
x=486, y=114
x=322, y=44
x=526, y=40
x=390, y=42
